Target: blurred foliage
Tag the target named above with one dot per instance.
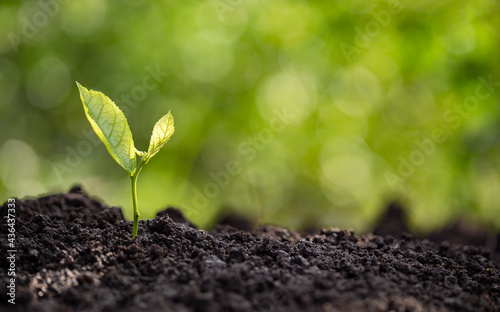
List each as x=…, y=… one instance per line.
x=300, y=113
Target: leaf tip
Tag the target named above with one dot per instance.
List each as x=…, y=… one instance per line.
x=80, y=87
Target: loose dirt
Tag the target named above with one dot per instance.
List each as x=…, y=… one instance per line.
x=76, y=254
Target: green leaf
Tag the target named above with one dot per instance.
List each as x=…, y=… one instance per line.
x=110, y=125
x=162, y=131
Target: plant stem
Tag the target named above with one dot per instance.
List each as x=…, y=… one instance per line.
x=136, y=207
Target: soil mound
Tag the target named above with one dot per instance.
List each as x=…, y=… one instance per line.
x=76, y=254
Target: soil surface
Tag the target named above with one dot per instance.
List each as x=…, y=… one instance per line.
x=76, y=254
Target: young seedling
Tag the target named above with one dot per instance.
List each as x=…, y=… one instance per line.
x=111, y=126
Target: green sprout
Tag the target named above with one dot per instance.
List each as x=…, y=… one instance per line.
x=111, y=126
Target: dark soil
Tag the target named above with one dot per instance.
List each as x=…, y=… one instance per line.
x=394, y=223
x=76, y=254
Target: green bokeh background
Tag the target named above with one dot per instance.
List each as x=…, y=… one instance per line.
x=365, y=81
